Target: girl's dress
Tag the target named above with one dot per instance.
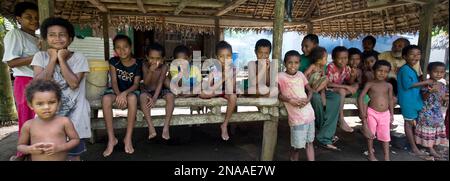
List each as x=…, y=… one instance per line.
x=430, y=129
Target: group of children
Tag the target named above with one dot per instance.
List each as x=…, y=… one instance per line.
x=312, y=91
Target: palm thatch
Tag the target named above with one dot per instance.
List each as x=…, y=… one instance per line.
x=334, y=18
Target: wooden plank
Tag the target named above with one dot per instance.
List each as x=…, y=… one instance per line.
x=311, y=7
x=105, y=24
x=269, y=142
x=278, y=30
x=99, y=5
x=417, y=1
x=228, y=7
x=354, y=11
x=180, y=7
x=46, y=9
x=140, y=5
x=195, y=3
x=158, y=121
x=426, y=26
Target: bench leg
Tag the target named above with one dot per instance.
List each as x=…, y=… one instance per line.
x=269, y=142
x=92, y=139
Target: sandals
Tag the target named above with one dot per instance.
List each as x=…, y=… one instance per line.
x=330, y=147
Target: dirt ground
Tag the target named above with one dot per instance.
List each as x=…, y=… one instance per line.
x=203, y=143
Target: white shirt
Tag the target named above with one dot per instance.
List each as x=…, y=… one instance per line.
x=19, y=44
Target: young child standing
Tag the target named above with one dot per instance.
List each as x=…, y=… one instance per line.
x=316, y=74
x=292, y=84
x=68, y=69
x=125, y=73
x=380, y=112
x=430, y=128
x=48, y=136
x=409, y=96
x=217, y=79
x=309, y=42
x=155, y=72
x=339, y=74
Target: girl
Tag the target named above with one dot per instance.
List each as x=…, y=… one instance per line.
x=316, y=74
x=430, y=128
x=125, y=72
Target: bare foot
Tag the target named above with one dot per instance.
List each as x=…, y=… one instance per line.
x=344, y=126
x=128, y=146
x=151, y=132
x=435, y=154
x=110, y=147
x=224, y=130
x=371, y=157
x=166, y=134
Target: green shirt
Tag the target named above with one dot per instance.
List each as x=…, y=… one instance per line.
x=304, y=63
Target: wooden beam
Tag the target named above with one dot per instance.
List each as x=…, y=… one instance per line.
x=180, y=7
x=216, y=30
x=311, y=8
x=416, y=1
x=426, y=25
x=278, y=29
x=310, y=28
x=140, y=5
x=46, y=10
x=230, y=6
x=99, y=5
x=354, y=11
x=105, y=24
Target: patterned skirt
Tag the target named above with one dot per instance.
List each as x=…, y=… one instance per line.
x=428, y=136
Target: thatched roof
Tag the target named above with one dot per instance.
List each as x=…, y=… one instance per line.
x=336, y=18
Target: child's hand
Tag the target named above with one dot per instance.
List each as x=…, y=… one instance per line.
x=37, y=148
x=121, y=100
x=392, y=119
x=367, y=133
x=63, y=54
x=429, y=81
x=150, y=102
x=50, y=148
x=53, y=54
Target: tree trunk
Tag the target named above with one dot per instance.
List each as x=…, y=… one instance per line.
x=8, y=113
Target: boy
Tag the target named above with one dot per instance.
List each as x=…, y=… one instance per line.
x=67, y=69
x=309, y=42
x=368, y=44
x=216, y=80
x=45, y=137
x=155, y=72
x=292, y=84
x=263, y=47
x=176, y=78
x=380, y=111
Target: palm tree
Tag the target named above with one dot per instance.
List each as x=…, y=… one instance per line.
x=8, y=113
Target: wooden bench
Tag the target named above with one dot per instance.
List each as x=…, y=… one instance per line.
x=268, y=113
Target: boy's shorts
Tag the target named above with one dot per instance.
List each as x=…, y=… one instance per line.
x=162, y=93
x=111, y=91
x=302, y=134
x=409, y=114
x=379, y=124
x=79, y=149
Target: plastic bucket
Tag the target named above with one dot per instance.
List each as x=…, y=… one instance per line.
x=97, y=79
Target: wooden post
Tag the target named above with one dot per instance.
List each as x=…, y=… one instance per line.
x=426, y=25
x=309, y=27
x=278, y=29
x=217, y=37
x=163, y=32
x=270, y=135
x=46, y=9
x=105, y=24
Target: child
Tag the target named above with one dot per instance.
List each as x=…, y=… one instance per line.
x=354, y=62
x=20, y=46
x=369, y=60
x=125, y=73
x=380, y=112
x=316, y=74
x=216, y=80
x=155, y=72
x=430, y=128
x=309, y=42
x=263, y=47
x=409, y=97
x=48, y=136
x=193, y=78
x=338, y=73
x=292, y=84
x=68, y=69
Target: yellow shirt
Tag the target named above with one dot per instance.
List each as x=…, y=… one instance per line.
x=396, y=63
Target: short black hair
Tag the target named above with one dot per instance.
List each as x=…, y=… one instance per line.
x=263, y=43
x=181, y=49
x=370, y=38
x=336, y=50
x=223, y=45
x=366, y=55
x=39, y=85
x=354, y=51
x=433, y=65
x=408, y=48
x=380, y=63
x=290, y=54
x=316, y=54
x=21, y=7
x=56, y=21
x=312, y=37
x=121, y=37
x=157, y=47
x=404, y=40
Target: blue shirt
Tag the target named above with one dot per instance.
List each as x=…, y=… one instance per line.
x=409, y=97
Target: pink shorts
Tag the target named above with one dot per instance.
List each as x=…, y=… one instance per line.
x=379, y=124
